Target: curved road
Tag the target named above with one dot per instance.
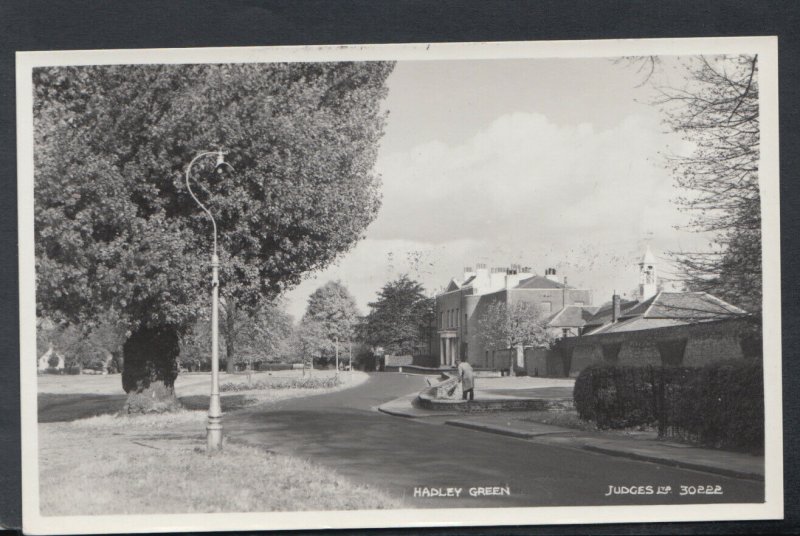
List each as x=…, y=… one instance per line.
x=344, y=431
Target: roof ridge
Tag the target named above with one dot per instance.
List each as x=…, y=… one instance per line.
x=652, y=302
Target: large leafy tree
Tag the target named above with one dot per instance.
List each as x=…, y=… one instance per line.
x=310, y=341
x=504, y=326
x=261, y=336
x=401, y=318
x=265, y=335
x=116, y=231
x=334, y=309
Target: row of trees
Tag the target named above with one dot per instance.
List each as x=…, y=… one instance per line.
x=401, y=321
x=76, y=347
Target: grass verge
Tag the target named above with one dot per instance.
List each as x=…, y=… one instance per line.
x=157, y=464
x=570, y=419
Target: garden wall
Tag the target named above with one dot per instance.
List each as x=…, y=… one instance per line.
x=686, y=345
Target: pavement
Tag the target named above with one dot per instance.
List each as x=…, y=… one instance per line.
x=418, y=458
x=643, y=446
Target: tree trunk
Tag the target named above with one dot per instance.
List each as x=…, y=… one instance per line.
x=150, y=370
x=519, y=361
x=230, y=327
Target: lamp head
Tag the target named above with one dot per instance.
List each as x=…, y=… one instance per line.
x=220, y=167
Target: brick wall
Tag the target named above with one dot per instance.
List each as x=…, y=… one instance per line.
x=536, y=361
x=705, y=342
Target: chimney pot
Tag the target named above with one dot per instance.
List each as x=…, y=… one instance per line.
x=615, y=308
x=550, y=273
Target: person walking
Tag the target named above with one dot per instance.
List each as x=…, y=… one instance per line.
x=467, y=378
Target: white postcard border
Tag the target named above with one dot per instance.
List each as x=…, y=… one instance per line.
x=772, y=508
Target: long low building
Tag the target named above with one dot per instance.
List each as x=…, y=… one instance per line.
x=676, y=328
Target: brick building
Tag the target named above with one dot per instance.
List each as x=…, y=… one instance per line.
x=461, y=305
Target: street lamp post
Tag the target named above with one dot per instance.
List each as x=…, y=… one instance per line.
x=336, y=343
x=214, y=426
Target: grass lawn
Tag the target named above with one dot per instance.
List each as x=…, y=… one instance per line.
x=66, y=398
x=157, y=464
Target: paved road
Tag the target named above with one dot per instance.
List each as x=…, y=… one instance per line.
x=342, y=430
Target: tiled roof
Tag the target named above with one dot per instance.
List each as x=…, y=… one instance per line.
x=539, y=281
x=663, y=310
x=684, y=306
x=469, y=280
x=636, y=323
x=603, y=314
x=571, y=316
x=453, y=285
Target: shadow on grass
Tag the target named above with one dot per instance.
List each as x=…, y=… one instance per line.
x=71, y=407
x=229, y=402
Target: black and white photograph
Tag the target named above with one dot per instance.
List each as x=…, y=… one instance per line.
x=457, y=284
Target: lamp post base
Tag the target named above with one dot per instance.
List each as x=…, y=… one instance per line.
x=214, y=437
x=214, y=427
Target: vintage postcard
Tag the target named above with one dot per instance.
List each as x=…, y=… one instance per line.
x=399, y=285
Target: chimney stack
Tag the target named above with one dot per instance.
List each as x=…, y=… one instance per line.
x=615, y=308
x=468, y=272
x=497, y=278
x=550, y=274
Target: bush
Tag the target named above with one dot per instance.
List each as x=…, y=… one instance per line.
x=615, y=397
x=274, y=366
x=720, y=405
x=283, y=383
x=723, y=407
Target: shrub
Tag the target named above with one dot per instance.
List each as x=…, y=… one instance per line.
x=719, y=405
x=615, y=397
x=274, y=366
x=283, y=383
x=723, y=407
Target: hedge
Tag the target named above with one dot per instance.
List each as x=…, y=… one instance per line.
x=720, y=405
x=307, y=382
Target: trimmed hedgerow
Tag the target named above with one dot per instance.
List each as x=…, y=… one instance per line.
x=719, y=405
x=615, y=397
x=723, y=406
x=284, y=383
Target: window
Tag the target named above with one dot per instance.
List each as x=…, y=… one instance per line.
x=441, y=320
x=457, y=317
x=547, y=307
x=579, y=303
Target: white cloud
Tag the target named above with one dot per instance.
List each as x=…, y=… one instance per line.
x=526, y=190
x=523, y=175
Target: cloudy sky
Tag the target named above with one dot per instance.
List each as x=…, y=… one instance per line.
x=548, y=163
